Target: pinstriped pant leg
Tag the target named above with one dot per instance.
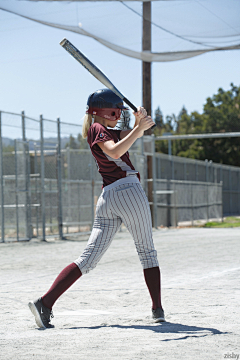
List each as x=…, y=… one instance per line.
x=105, y=227
x=130, y=202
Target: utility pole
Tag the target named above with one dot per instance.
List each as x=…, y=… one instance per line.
x=146, y=66
x=147, y=88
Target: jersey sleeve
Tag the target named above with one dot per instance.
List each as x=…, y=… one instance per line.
x=117, y=132
x=99, y=133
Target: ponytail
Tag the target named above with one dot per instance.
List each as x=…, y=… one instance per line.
x=87, y=122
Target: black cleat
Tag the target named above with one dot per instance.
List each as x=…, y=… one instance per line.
x=158, y=315
x=42, y=314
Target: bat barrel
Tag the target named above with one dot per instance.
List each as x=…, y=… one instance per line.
x=97, y=73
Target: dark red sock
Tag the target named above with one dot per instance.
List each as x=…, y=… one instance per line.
x=64, y=280
x=153, y=280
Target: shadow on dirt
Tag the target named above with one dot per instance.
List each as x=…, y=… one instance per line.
x=165, y=328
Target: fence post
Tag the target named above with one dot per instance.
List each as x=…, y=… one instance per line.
x=16, y=187
x=185, y=170
x=206, y=163
x=159, y=167
x=207, y=203
x=206, y=179
x=238, y=192
x=29, y=199
x=154, y=182
x=196, y=169
x=143, y=179
x=42, y=179
x=230, y=190
x=142, y=145
x=191, y=189
x=36, y=185
x=221, y=184
x=172, y=163
x=69, y=186
x=50, y=198
x=59, y=181
x=210, y=171
x=169, y=147
x=175, y=204
x=25, y=170
x=1, y=179
x=79, y=206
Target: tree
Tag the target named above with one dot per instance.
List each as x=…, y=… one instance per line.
x=82, y=143
x=158, y=118
x=221, y=113
x=72, y=144
x=78, y=143
x=8, y=148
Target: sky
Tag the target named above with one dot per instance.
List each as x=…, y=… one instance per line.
x=39, y=77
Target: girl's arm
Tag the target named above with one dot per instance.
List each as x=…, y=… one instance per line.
x=116, y=150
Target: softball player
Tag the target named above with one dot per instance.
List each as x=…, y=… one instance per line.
x=122, y=200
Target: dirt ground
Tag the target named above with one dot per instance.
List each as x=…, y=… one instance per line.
x=107, y=313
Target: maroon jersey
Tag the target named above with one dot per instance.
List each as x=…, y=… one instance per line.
x=110, y=169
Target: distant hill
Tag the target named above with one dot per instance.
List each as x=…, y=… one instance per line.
x=7, y=141
x=48, y=142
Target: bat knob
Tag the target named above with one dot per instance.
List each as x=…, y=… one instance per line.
x=63, y=41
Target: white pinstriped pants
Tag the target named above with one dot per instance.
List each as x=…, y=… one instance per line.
x=123, y=201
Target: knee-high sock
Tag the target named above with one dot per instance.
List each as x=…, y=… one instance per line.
x=153, y=280
x=63, y=281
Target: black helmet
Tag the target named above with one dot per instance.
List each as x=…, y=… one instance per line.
x=105, y=103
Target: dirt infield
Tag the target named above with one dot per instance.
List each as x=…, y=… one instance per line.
x=107, y=313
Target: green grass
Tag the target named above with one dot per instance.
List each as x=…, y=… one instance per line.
x=228, y=222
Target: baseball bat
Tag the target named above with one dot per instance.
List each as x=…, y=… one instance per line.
x=97, y=73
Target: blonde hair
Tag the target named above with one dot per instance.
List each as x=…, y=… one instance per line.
x=87, y=122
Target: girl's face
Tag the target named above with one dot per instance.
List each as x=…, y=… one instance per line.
x=111, y=123
x=106, y=122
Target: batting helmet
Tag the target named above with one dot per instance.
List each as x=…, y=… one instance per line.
x=106, y=104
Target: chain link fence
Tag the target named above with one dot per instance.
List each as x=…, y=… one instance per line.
x=178, y=168
x=49, y=183
x=176, y=201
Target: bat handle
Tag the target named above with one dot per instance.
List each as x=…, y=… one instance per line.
x=130, y=104
x=134, y=108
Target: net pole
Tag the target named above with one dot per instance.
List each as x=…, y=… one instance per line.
x=147, y=86
x=146, y=66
